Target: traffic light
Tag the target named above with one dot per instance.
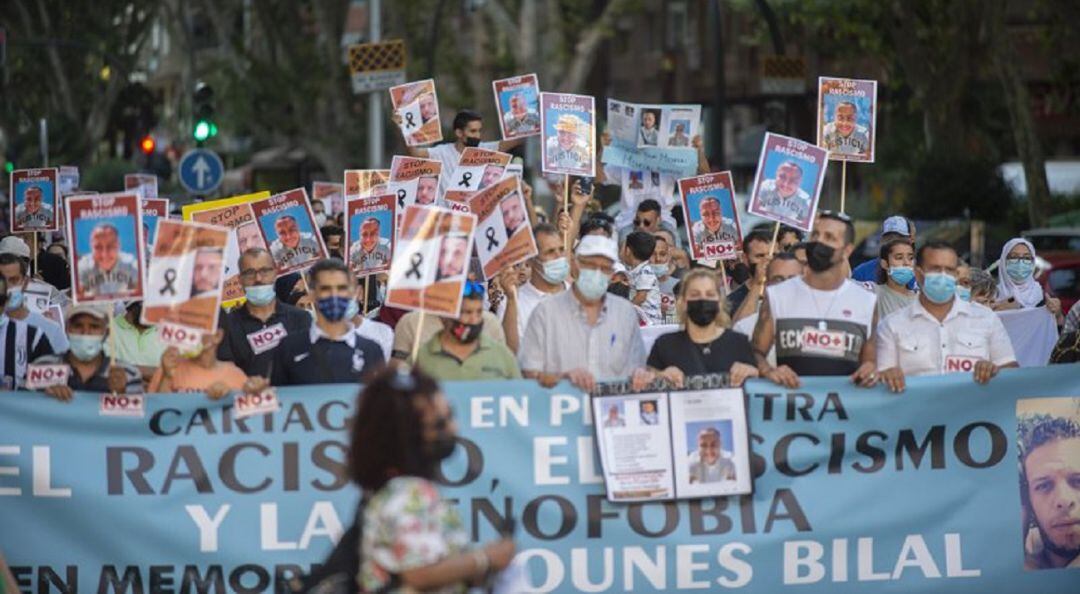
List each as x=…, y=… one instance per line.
x=147, y=145
x=204, y=128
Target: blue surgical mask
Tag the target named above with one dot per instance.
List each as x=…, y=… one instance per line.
x=260, y=294
x=334, y=308
x=15, y=299
x=660, y=270
x=592, y=284
x=1019, y=270
x=85, y=347
x=964, y=293
x=902, y=275
x=555, y=271
x=939, y=287
x=353, y=309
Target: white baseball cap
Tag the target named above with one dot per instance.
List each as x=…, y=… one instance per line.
x=14, y=245
x=598, y=245
x=896, y=224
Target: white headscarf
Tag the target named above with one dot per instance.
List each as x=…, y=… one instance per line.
x=1027, y=293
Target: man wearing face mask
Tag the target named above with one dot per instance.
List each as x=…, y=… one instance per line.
x=257, y=328
x=333, y=236
x=136, y=343
x=20, y=343
x=460, y=351
x=820, y=323
x=15, y=271
x=333, y=351
x=584, y=334
x=550, y=270
x=940, y=333
x=89, y=368
x=782, y=267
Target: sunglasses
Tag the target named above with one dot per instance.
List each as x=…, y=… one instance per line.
x=642, y=223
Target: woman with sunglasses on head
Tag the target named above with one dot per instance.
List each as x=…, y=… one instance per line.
x=411, y=539
x=1017, y=287
x=705, y=345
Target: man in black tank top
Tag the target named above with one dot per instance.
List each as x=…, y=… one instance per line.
x=820, y=323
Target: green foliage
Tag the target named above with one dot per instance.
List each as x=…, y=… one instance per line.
x=106, y=176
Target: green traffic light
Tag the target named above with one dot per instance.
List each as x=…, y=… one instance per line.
x=203, y=130
x=9, y=167
x=213, y=129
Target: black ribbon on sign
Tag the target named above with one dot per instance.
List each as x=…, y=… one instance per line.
x=170, y=280
x=409, y=123
x=401, y=198
x=492, y=242
x=466, y=177
x=416, y=260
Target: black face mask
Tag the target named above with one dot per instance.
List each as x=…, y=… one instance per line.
x=819, y=256
x=619, y=289
x=470, y=141
x=466, y=333
x=702, y=312
x=440, y=449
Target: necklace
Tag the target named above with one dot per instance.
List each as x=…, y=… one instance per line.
x=822, y=325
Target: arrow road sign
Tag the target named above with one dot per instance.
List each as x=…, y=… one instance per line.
x=201, y=171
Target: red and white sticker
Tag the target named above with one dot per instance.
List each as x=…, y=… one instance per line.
x=39, y=377
x=832, y=343
x=958, y=363
x=722, y=250
x=120, y=405
x=181, y=337
x=246, y=405
x=266, y=339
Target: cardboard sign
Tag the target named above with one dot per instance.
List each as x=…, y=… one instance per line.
x=517, y=100
x=153, y=209
x=431, y=260
x=369, y=233
x=960, y=363
x=186, y=275
x=414, y=181
x=477, y=169
x=504, y=236
x=418, y=106
x=38, y=296
x=364, y=183
x=39, y=377
x=267, y=338
x=569, y=139
x=175, y=335
x=634, y=125
x=106, y=248
x=831, y=343
x=34, y=198
x=120, y=405
x=711, y=216
x=235, y=214
x=288, y=226
x=330, y=194
x=247, y=405
x=69, y=179
x=847, y=118
x=788, y=181
x=145, y=184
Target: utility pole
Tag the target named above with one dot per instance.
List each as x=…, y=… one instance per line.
x=375, y=115
x=43, y=140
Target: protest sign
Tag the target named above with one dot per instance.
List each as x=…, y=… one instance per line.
x=477, y=169
x=288, y=226
x=787, y=184
x=44, y=375
x=855, y=490
x=623, y=122
x=677, y=162
x=431, y=258
x=369, y=233
x=504, y=235
x=145, y=184
x=517, y=100
x=678, y=125
x=235, y=214
x=38, y=296
x=414, y=181
x=364, y=183
x=417, y=105
x=122, y=405
x=34, y=200
x=847, y=118
x=106, y=247
x=330, y=194
x=69, y=179
x=711, y=216
x=568, y=134
x=152, y=210
x=186, y=275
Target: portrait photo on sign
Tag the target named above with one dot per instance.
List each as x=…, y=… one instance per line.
x=711, y=216
x=236, y=215
x=145, y=184
x=679, y=125
x=568, y=134
x=362, y=183
x=288, y=226
x=186, y=275
x=106, y=247
x=369, y=233
x=708, y=452
x=431, y=258
x=634, y=441
x=504, y=236
x=788, y=181
x=623, y=121
x=518, y=103
x=847, y=118
x=414, y=181
x=34, y=200
x=710, y=443
x=417, y=106
x=1048, y=443
x=649, y=126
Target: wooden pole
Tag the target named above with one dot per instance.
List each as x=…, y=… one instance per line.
x=307, y=291
x=775, y=234
x=843, y=186
x=566, y=209
x=365, y=294
x=34, y=252
x=416, y=338
x=112, y=337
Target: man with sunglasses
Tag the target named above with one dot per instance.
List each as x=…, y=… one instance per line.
x=649, y=219
x=257, y=328
x=460, y=351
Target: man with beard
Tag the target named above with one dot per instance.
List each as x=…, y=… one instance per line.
x=372, y=251
x=569, y=148
x=520, y=119
x=1050, y=490
x=844, y=135
x=782, y=196
x=292, y=246
x=713, y=227
x=33, y=213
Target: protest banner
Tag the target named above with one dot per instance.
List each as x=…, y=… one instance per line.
x=288, y=226
x=364, y=183
x=369, y=233
x=504, y=235
x=1033, y=332
x=517, y=100
x=431, y=257
x=679, y=124
x=34, y=200
x=711, y=216
x=623, y=121
x=414, y=181
x=152, y=210
x=854, y=490
x=106, y=247
x=330, y=194
x=847, y=118
x=677, y=162
x=145, y=184
x=417, y=106
x=477, y=169
x=235, y=214
x=186, y=275
x=788, y=181
x=568, y=134
x=69, y=179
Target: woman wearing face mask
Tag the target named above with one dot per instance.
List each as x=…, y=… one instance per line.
x=411, y=539
x=1017, y=287
x=896, y=270
x=705, y=344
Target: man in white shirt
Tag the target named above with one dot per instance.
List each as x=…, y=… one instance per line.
x=782, y=267
x=550, y=269
x=940, y=333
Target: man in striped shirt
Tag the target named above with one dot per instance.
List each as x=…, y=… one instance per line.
x=20, y=343
x=90, y=370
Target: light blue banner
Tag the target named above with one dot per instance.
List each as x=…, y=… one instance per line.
x=855, y=491
x=680, y=162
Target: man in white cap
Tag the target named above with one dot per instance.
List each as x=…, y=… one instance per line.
x=894, y=227
x=585, y=334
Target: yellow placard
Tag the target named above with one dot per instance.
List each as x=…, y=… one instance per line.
x=188, y=209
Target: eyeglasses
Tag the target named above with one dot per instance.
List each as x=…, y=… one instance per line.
x=473, y=289
x=642, y=223
x=253, y=273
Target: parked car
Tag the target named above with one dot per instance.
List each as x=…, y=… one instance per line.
x=1063, y=281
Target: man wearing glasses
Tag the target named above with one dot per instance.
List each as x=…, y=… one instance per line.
x=255, y=329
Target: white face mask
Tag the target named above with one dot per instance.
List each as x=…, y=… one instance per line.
x=320, y=219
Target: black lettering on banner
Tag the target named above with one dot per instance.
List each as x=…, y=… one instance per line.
x=409, y=123
x=758, y=463
x=161, y=579
x=698, y=513
x=297, y=414
x=466, y=177
x=195, y=470
x=792, y=508
x=494, y=518
x=635, y=514
x=290, y=454
x=531, y=517
x=876, y=454
x=227, y=467
x=236, y=579
x=473, y=468
x=324, y=415
x=110, y=582
x=336, y=468
x=998, y=445
x=595, y=513
x=415, y=262
x=213, y=581
x=780, y=454
x=492, y=242
x=114, y=470
x=155, y=422
x=934, y=440
x=170, y=280
x=837, y=449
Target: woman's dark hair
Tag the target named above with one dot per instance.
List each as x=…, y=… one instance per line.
x=882, y=275
x=387, y=433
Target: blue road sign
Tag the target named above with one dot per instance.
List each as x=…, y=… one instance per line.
x=201, y=171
